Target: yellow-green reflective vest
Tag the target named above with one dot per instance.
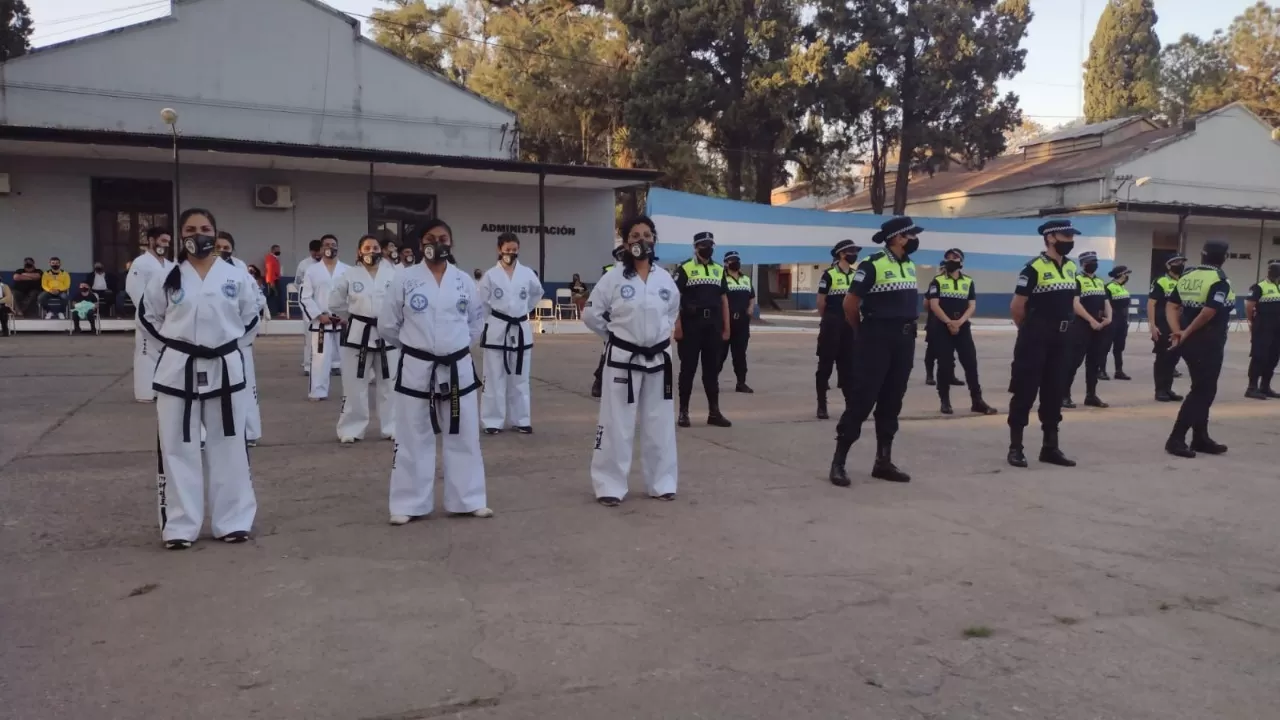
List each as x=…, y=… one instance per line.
x=1050, y=279
x=954, y=288
x=1091, y=286
x=1195, y=284
x=1118, y=291
x=838, y=280
x=741, y=283
x=699, y=274
x=891, y=275
x=1270, y=292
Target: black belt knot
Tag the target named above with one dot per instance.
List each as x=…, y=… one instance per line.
x=190, y=394
x=454, y=393
x=648, y=353
x=370, y=324
x=518, y=323
x=333, y=327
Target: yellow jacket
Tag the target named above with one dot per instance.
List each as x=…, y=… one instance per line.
x=59, y=282
x=6, y=296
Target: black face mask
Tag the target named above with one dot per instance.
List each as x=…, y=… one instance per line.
x=1273, y=273
x=704, y=253
x=734, y=265
x=331, y=252
x=161, y=250
x=1064, y=247
x=276, y=253
x=55, y=267
x=1176, y=270
x=371, y=258
x=913, y=244
x=953, y=265
x=1091, y=267
x=851, y=258
x=510, y=258
x=199, y=245
x=226, y=255
x=436, y=252
x=640, y=250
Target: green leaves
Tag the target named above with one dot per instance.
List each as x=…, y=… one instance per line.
x=1122, y=73
x=15, y=29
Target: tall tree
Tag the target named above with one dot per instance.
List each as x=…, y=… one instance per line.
x=1193, y=77
x=15, y=29
x=1026, y=131
x=1253, y=50
x=1122, y=72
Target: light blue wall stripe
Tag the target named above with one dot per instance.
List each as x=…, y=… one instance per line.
x=673, y=253
x=670, y=202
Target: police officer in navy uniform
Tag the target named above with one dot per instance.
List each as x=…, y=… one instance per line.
x=1045, y=300
x=952, y=298
x=1090, y=331
x=1262, y=308
x=1164, y=369
x=1118, y=296
x=741, y=299
x=882, y=307
x=596, y=385
x=702, y=327
x=835, y=336
x=1198, y=311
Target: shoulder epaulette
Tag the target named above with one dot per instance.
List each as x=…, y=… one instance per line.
x=876, y=256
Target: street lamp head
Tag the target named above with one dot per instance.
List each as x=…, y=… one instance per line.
x=169, y=116
x=1142, y=181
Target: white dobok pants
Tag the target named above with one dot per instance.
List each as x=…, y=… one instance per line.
x=323, y=358
x=354, y=418
x=651, y=417
x=253, y=421
x=184, y=469
x=413, y=471
x=146, y=351
x=505, y=395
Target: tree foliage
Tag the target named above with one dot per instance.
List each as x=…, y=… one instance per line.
x=1252, y=47
x=1026, y=131
x=1193, y=77
x=15, y=29
x=1122, y=73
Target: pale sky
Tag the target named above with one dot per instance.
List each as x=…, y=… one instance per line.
x=1048, y=87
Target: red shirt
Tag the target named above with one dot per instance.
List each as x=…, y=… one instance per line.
x=272, y=269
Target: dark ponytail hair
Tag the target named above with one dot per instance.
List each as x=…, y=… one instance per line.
x=629, y=260
x=173, y=282
x=438, y=223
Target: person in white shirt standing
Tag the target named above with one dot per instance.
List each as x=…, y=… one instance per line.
x=432, y=315
x=202, y=310
x=146, y=344
x=509, y=291
x=323, y=327
x=314, y=253
x=356, y=298
x=635, y=306
x=225, y=246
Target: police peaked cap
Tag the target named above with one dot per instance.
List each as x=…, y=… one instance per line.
x=1088, y=256
x=1175, y=260
x=1273, y=261
x=1057, y=226
x=704, y=236
x=732, y=255
x=895, y=226
x=1119, y=270
x=843, y=246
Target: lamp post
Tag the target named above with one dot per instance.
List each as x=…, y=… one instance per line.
x=170, y=118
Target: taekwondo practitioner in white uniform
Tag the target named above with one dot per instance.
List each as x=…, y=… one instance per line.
x=357, y=297
x=146, y=346
x=299, y=276
x=634, y=307
x=508, y=292
x=225, y=246
x=202, y=310
x=324, y=328
x=432, y=315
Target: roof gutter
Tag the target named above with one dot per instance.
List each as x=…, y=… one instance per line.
x=1214, y=211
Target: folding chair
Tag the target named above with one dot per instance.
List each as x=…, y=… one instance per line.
x=564, y=303
x=1133, y=313
x=291, y=299
x=545, y=310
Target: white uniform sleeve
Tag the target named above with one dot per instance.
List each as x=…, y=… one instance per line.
x=535, y=292
x=155, y=302
x=484, y=290
x=311, y=305
x=391, y=314
x=135, y=284
x=338, y=300
x=250, y=310
x=593, y=315
x=673, y=307
x=475, y=315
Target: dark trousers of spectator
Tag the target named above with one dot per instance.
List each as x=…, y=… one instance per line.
x=274, y=294
x=106, y=300
x=92, y=317
x=24, y=301
x=53, y=302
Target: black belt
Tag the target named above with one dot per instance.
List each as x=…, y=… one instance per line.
x=324, y=331
x=701, y=313
x=648, y=353
x=189, y=393
x=1058, y=326
x=908, y=326
x=381, y=348
x=506, y=349
x=454, y=394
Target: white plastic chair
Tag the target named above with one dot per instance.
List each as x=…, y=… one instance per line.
x=564, y=304
x=545, y=310
x=292, y=299
x=1133, y=313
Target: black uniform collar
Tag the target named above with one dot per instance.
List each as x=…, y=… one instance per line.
x=1059, y=265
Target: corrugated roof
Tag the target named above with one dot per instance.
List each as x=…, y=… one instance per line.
x=1014, y=172
x=1099, y=128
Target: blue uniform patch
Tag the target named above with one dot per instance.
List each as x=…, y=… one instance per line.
x=524, y=294
x=497, y=293
x=462, y=306
x=177, y=296
x=357, y=286
x=628, y=292
x=418, y=302
x=665, y=294
x=230, y=289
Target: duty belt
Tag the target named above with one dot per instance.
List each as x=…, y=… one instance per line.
x=454, y=393
x=648, y=353
x=702, y=313
x=1054, y=325
x=189, y=393
x=370, y=324
x=518, y=323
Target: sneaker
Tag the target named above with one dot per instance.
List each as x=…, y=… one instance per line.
x=492, y=431
x=400, y=519
x=177, y=544
x=524, y=429
x=48, y=316
x=235, y=538
x=482, y=513
x=665, y=496
x=609, y=501
x=347, y=440
x=251, y=443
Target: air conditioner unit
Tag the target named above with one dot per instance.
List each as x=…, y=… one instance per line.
x=273, y=197
x=4, y=184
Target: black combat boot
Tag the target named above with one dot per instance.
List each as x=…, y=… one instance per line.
x=928, y=377
x=1201, y=442
x=1102, y=375
x=822, y=404
x=714, y=417
x=838, y=476
x=1092, y=400
x=1253, y=393
x=1120, y=374
x=944, y=394
x=1266, y=387
x=1049, y=453
x=743, y=387
x=1016, y=457
x=683, y=418
x=1068, y=403
x=884, y=469
x=979, y=405
x=1177, y=443
x=956, y=382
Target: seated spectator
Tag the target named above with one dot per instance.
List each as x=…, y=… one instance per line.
x=103, y=284
x=578, y=290
x=6, y=308
x=26, y=288
x=56, y=286
x=84, y=306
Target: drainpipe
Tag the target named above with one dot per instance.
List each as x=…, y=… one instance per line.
x=1182, y=233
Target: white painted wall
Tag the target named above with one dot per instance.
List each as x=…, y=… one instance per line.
x=1230, y=159
x=49, y=212
x=285, y=71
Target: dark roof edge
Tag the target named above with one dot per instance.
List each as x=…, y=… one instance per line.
x=1217, y=211
x=634, y=176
